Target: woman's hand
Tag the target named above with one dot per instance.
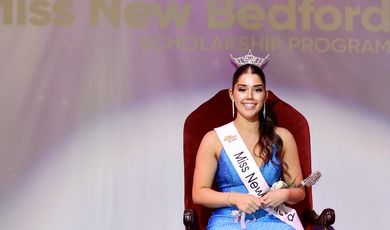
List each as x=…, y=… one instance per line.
x=274, y=198
x=245, y=202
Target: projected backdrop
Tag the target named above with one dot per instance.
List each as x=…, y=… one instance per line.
x=94, y=94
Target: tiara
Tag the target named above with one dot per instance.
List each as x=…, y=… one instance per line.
x=249, y=59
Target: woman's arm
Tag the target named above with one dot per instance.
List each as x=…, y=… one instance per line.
x=205, y=168
x=293, y=176
x=291, y=158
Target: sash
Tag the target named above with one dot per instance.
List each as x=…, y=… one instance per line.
x=250, y=174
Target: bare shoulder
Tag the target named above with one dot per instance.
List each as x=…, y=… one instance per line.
x=210, y=136
x=211, y=142
x=289, y=144
x=284, y=133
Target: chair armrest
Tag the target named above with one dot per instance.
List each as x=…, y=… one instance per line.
x=189, y=219
x=325, y=219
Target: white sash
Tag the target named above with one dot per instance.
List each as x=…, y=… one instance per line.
x=250, y=174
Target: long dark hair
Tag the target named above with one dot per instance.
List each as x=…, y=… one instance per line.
x=268, y=139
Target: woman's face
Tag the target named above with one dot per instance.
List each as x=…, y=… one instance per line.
x=249, y=95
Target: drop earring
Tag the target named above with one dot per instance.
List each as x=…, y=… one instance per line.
x=264, y=114
x=233, y=112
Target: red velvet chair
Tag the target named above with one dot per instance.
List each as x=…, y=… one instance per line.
x=216, y=112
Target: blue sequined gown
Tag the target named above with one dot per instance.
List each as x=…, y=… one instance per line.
x=228, y=180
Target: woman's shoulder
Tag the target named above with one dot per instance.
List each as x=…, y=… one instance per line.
x=284, y=133
x=211, y=137
x=211, y=140
x=287, y=138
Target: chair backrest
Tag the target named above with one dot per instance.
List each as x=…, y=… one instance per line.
x=218, y=111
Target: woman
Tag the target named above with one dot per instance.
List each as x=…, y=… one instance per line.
x=274, y=152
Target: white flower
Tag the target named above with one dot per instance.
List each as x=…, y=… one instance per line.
x=278, y=185
x=236, y=213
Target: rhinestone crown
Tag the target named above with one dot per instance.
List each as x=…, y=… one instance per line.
x=250, y=59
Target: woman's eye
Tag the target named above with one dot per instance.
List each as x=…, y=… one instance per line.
x=259, y=90
x=241, y=89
